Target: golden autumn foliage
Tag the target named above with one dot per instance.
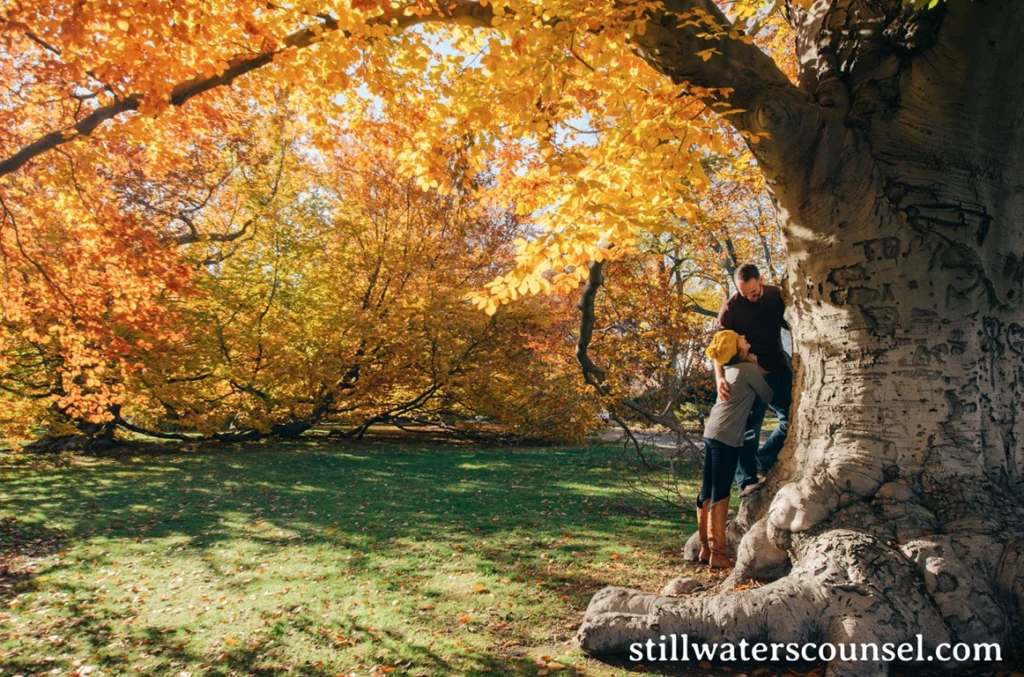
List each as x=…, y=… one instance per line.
x=321, y=289
x=201, y=205
x=657, y=303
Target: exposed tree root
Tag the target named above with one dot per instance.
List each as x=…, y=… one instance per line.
x=848, y=588
x=857, y=578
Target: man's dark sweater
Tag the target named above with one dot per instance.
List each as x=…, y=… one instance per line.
x=761, y=324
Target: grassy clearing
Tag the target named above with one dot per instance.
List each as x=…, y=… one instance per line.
x=319, y=560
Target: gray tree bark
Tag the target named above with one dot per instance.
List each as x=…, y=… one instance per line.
x=896, y=506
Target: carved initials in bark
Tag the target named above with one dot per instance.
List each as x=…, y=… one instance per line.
x=896, y=504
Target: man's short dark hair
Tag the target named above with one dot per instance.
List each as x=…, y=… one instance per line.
x=747, y=272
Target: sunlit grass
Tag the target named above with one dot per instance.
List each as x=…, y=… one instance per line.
x=368, y=559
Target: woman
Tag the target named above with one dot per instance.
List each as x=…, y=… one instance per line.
x=723, y=439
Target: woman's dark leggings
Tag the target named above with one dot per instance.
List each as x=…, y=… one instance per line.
x=719, y=468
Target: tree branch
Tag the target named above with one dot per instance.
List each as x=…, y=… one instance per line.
x=771, y=104
x=694, y=307
x=670, y=44
x=675, y=36
x=593, y=374
x=460, y=12
x=121, y=422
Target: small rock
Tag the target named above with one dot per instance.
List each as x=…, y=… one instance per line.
x=681, y=586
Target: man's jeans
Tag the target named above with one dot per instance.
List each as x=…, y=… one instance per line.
x=753, y=459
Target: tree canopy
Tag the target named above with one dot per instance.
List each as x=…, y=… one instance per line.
x=169, y=169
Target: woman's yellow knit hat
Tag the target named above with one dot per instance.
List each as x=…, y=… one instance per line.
x=724, y=346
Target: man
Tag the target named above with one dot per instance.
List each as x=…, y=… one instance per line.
x=755, y=311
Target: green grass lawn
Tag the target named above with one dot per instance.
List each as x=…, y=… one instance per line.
x=320, y=560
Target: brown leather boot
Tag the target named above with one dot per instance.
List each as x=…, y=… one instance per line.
x=718, y=515
x=702, y=532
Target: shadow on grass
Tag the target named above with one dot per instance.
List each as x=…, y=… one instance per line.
x=416, y=520
x=21, y=545
x=306, y=490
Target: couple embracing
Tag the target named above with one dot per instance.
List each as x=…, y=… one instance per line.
x=752, y=373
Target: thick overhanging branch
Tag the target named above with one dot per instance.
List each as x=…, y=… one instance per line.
x=672, y=45
x=677, y=46
x=670, y=48
x=457, y=12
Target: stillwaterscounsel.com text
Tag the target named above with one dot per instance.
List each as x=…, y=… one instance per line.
x=674, y=647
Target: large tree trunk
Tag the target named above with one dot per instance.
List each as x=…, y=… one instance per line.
x=896, y=506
